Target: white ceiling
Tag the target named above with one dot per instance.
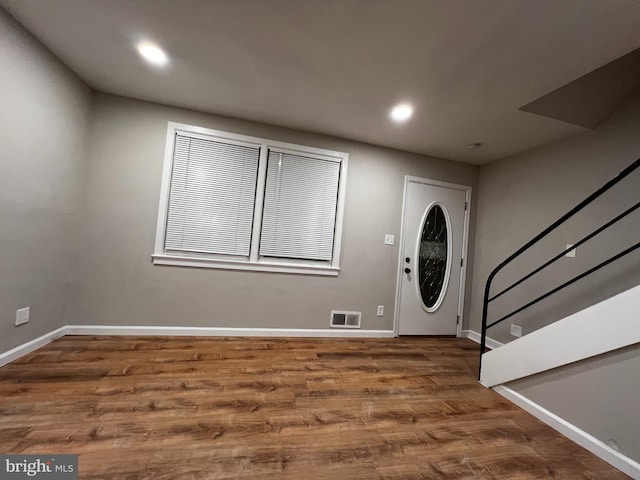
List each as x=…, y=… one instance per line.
x=337, y=66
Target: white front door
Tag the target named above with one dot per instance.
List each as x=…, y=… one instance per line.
x=431, y=258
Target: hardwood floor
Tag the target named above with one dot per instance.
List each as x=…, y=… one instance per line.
x=255, y=408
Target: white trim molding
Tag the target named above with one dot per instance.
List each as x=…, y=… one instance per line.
x=202, y=262
x=222, y=331
x=582, y=438
x=26, y=348
x=606, y=326
x=476, y=337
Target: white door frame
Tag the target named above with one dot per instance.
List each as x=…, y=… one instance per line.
x=465, y=246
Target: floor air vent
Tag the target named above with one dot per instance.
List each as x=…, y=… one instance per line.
x=345, y=319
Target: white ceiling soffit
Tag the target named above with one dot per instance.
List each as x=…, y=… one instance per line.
x=338, y=66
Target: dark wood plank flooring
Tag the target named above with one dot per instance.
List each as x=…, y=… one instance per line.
x=255, y=408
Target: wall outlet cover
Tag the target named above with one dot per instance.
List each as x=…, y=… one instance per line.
x=516, y=330
x=22, y=316
x=380, y=311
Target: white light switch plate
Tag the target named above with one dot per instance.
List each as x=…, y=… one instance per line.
x=389, y=239
x=516, y=330
x=22, y=316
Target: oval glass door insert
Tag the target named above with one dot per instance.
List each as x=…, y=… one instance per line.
x=432, y=258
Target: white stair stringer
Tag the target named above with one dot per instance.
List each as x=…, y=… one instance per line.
x=609, y=325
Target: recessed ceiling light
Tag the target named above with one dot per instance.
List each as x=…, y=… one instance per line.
x=153, y=54
x=401, y=113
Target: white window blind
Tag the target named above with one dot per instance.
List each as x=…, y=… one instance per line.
x=238, y=202
x=212, y=196
x=300, y=199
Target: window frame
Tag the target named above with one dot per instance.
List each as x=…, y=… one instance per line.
x=254, y=262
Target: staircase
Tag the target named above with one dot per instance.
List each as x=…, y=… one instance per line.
x=604, y=327
x=523, y=345
x=601, y=328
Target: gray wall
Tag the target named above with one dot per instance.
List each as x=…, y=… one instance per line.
x=598, y=395
x=521, y=195
x=118, y=285
x=44, y=110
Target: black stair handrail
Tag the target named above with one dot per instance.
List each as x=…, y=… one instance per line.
x=487, y=289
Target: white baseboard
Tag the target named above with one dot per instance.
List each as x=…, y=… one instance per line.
x=582, y=438
x=22, y=350
x=223, y=332
x=476, y=337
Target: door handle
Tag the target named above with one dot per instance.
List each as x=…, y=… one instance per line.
x=407, y=270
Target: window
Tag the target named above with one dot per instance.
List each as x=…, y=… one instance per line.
x=238, y=202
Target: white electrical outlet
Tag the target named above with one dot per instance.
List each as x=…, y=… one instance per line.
x=516, y=330
x=389, y=239
x=22, y=315
x=380, y=311
x=571, y=253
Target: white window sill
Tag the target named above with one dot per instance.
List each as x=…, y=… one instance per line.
x=301, y=269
